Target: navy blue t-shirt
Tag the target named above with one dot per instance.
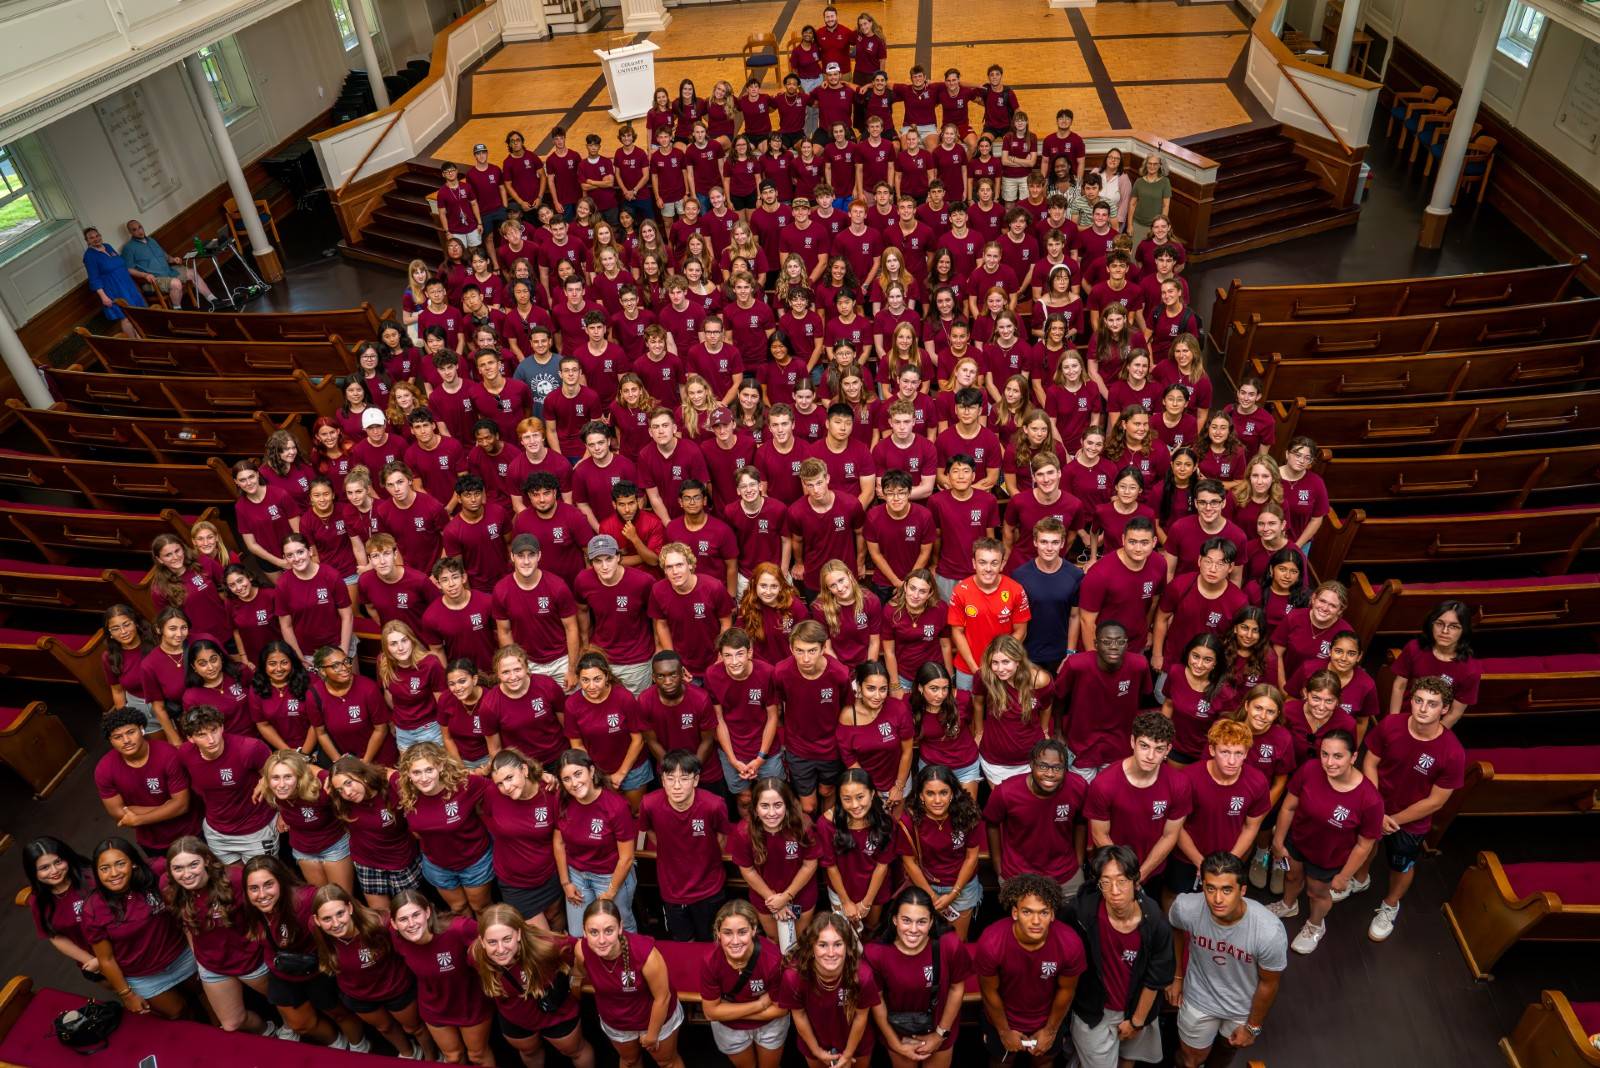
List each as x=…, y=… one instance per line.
x=1051, y=599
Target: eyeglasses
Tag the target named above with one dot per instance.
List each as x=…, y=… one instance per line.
x=1050, y=769
x=339, y=663
x=1115, y=882
x=1442, y=625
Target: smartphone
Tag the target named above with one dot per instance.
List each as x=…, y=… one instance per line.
x=950, y=912
x=148, y=1062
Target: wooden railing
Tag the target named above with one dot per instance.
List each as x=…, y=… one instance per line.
x=1312, y=104
x=1322, y=102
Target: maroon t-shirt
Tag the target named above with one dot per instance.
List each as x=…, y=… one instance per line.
x=876, y=746
x=448, y=991
x=916, y=638
x=826, y=535
x=524, y=834
x=591, y=832
x=231, y=697
x=1118, y=951
x=153, y=784
x=1304, y=642
x=1027, y=978
x=267, y=520
x=411, y=693
x=467, y=631
x=857, y=864
x=370, y=970
x=785, y=856
x=810, y=708
x=219, y=941
x=1272, y=752
x=591, y=484
x=1306, y=740
x=530, y=722
x=693, y=618
x=606, y=728
x=1327, y=823
x=719, y=980
x=349, y=720
x=418, y=530
x=536, y=615
x=1036, y=832
x=1117, y=594
x=449, y=827
x=621, y=614
x=1100, y=705
x=224, y=785
x=285, y=713
x=1193, y=712
x=824, y=1009
x=481, y=545
x=622, y=995
x=690, y=836
x=900, y=541
x=961, y=524
x=1219, y=813
x=1414, y=662
x=208, y=615
x=312, y=825
x=330, y=536
x=1138, y=815
x=1185, y=537
x=908, y=982
x=562, y=536
x=1409, y=768
x=379, y=836
x=312, y=606
x=404, y=599
x=145, y=938
x=742, y=704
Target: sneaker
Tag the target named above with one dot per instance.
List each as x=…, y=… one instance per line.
x=339, y=1042
x=1360, y=886
x=269, y=1028
x=1382, y=925
x=1284, y=909
x=1310, y=934
x=364, y=1046
x=287, y=1034
x=1260, y=865
x=1340, y=895
x=1275, y=883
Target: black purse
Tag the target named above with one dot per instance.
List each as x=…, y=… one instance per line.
x=747, y=971
x=556, y=996
x=911, y=1024
x=290, y=963
x=88, y=1029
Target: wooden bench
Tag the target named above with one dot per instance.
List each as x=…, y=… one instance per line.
x=1390, y=297
x=1530, y=324
x=64, y=588
x=1507, y=479
x=102, y=482
x=1442, y=375
x=195, y=396
x=1359, y=540
x=1543, y=780
x=38, y=747
x=68, y=535
x=1525, y=685
x=1441, y=426
x=360, y=322
x=1394, y=608
x=62, y=432
x=1497, y=905
x=1555, y=1033
x=116, y=353
x=54, y=657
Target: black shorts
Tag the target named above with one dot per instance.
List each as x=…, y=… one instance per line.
x=560, y=1030
x=1313, y=871
x=997, y=132
x=791, y=139
x=318, y=990
x=1181, y=876
x=691, y=922
x=531, y=901
x=805, y=775
x=744, y=201
x=408, y=996
x=1403, y=848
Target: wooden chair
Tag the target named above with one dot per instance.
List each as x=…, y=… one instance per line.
x=33, y=656
x=760, y=54
x=1508, y=479
x=1402, y=103
x=36, y=746
x=1546, y=780
x=109, y=484
x=1497, y=905
x=87, y=536
x=1554, y=535
x=1444, y=375
x=1392, y=608
x=359, y=322
x=1555, y=1033
x=230, y=208
x=1475, y=167
x=1415, y=113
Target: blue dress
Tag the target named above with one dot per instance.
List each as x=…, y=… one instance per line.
x=108, y=273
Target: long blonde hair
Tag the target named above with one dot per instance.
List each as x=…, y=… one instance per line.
x=1241, y=492
x=307, y=786
x=829, y=605
x=388, y=667
x=452, y=773
x=994, y=688
x=538, y=955
x=687, y=412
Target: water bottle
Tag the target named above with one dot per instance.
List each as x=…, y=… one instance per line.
x=199, y=247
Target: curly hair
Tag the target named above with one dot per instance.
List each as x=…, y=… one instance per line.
x=452, y=773
x=750, y=605
x=1032, y=884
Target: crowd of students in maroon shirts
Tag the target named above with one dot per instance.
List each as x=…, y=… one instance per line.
x=787, y=512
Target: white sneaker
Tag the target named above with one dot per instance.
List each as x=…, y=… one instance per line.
x=287, y=1034
x=1360, y=886
x=364, y=1046
x=1340, y=895
x=339, y=1042
x=1310, y=934
x=1284, y=909
x=1259, y=867
x=1275, y=880
x=1382, y=925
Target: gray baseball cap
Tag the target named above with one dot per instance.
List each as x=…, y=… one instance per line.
x=602, y=545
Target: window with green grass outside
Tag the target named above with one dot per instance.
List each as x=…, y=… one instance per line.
x=20, y=210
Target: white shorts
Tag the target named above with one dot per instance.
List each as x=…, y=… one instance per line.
x=555, y=669
x=1099, y=1047
x=472, y=240
x=1198, y=1031
x=1013, y=188
x=668, y=1029
x=238, y=848
x=636, y=677
x=999, y=773
x=770, y=1035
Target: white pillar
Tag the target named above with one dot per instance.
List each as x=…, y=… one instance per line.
x=523, y=20
x=369, y=54
x=1455, y=148
x=1348, y=20
x=22, y=368
x=266, y=257
x=644, y=16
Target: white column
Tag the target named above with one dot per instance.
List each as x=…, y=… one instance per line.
x=644, y=16
x=369, y=54
x=1455, y=148
x=266, y=258
x=523, y=20
x=22, y=368
x=1349, y=18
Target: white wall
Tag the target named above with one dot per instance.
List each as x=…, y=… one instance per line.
x=295, y=66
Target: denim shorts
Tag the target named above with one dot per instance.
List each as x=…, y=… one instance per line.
x=340, y=850
x=638, y=777
x=971, y=895
x=971, y=773
x=181, y=969
x=479, y=873
x=209, y=976
x=429, y=732
x=772, y=768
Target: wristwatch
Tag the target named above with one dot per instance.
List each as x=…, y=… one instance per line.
x=942, y=1032
x=1255, y=1032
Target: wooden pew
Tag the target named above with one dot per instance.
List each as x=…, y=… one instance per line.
x=1359, y=540
x=62, y=432
x=28, y=655
x=63, y=588
x=1441, y=375
x=1555, y=1033
x=195, y=396
x=1394, y=608
x=176, y=356
x=38, y=747
x=359, y=322
x=1525, y=685
x=1530, y=324
x=1497, y=905
x=86, y=535
x=1442, y=426
x=1390, y=296
x=1506, y=479
x=1546, y=780
x=113, y=485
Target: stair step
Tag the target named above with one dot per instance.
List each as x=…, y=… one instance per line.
x=415, y=185
x=1206, y=146
x=400, y=239
x=1232, y=177
x=1268, y=214
x=412, y=201
x=1254, y=153
x=1272, y=191
x=367, y=253
x=1278, y=232
x=406, y=222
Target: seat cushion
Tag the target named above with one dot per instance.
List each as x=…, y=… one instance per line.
x=1541, y=760
x=1575, y=883
x=761, y=59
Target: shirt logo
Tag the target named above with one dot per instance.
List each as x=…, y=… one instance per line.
x=1340, y=814
x=1158, y=809
x=1425, y=763
x=1235, y=806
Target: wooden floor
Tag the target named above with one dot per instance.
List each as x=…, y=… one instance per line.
x=1170, y=68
